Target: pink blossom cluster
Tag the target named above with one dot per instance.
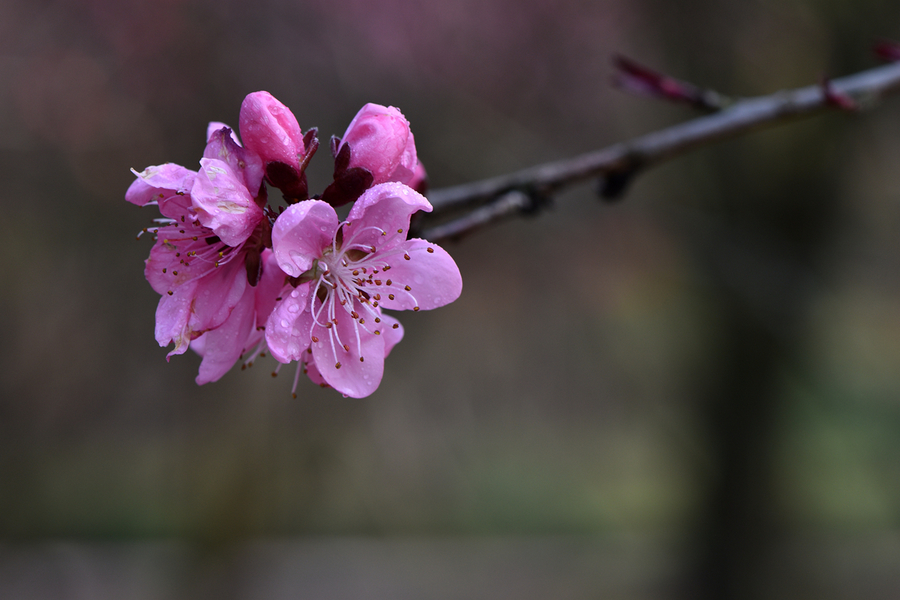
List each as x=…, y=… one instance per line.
x=238, y=276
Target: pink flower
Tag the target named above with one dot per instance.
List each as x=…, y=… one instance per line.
x=343, y=274
x=207, y=247
x=380, y=141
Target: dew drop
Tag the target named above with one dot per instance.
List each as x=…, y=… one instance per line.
x=284, y=323
x=293, y=308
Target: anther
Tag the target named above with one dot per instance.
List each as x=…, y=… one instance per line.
x=430, y=250
x=407, y=288
x=391, y=296
x=406, y=256
x=337, y=365
x=395, y=325
x=315, y=339
x=400, y=230
x=362, y=359
x=377, y=332
x=389, y=282
x=346, y=348
x=169, y=292
x=377, y=320
x=415, y=309
x=164, y=269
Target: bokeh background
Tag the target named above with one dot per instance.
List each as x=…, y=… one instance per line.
x=691, y=393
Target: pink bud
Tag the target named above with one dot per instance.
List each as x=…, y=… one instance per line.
x=270, y=129
x=380, y=141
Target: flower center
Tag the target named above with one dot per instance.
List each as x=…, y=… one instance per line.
x=345, y=282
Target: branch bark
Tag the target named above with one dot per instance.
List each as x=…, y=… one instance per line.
x=490, y=200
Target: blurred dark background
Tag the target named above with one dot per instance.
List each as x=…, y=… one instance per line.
x=692, y=393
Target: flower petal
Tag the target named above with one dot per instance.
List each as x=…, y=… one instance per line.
x=156, y=182
x=172, y=319
x=223, y=145
x=223, y=202
x=430, y=274
x=380, y=217
x=341, y=366
x=223, y=346
x=216, y=295
x=301, y=233
x=392, y=333
x=289, y=324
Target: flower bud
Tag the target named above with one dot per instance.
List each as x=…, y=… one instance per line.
x=270, y=129
x=380, y=141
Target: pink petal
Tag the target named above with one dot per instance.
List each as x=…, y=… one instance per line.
x=154, y=183
x=312, y=371
x=217, y=294
x=430, y=273
x=301, y=233
x=172, y=318
x=384, y=208
x=392, y=333
x=223, y=346
x=289, y=324
x=223, y=202
x=341, y=368
x=215, y=126
x=222, y=144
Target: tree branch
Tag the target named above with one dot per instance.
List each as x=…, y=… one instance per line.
x=526, y=191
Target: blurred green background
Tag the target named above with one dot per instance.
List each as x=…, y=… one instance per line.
x=690, y=393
